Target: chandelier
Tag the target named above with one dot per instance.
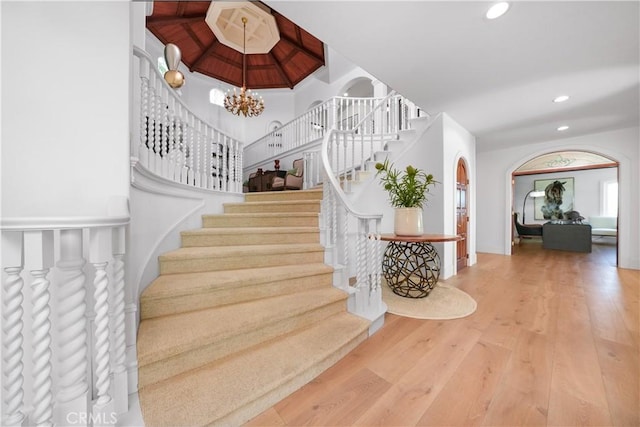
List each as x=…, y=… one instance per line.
x=245, y=102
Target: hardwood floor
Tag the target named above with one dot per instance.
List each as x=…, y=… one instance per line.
x=554, y=342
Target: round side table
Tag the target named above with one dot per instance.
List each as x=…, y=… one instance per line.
x=411, y=265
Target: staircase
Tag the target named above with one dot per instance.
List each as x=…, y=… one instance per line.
x=242, y=315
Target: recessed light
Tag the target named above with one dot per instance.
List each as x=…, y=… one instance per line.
x=561, y=98
x=345, y=94
x=497, y=10
x=563, y=128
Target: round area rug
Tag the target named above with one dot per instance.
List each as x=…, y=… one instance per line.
x=443, y=302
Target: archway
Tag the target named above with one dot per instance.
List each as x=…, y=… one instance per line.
x=582, y=176
x=359, y=87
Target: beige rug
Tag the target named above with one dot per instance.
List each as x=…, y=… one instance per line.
x=443, y=302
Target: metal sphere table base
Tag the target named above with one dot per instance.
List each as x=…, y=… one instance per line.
x=411, y=269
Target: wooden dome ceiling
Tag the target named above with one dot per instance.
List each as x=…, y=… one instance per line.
x=296, y=55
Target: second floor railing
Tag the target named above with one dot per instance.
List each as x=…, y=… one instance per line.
x=338, y=113
x=177, y=145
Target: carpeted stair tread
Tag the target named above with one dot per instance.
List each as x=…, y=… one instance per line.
x=263, y=214
x=256, y=230
x=280, y=206
x=268, y=219
x=311, y=194
x=168, y=336
x=236, y=389
x=174, y=285
x=249, y=236
x=204, y=258
x=184, y=292
x=229, y=251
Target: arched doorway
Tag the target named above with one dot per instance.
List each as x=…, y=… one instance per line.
x=462, y=214
x=589, y=183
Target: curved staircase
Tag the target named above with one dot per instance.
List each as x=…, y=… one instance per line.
x=242, y=315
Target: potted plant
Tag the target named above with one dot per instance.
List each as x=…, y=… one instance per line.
x=408, y=191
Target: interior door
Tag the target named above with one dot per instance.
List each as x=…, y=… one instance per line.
x=462, y=216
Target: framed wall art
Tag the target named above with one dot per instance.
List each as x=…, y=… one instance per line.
x=557, y=200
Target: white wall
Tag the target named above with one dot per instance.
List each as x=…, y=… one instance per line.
x=459, y=144
x=65, y=98
x=159, y=212
x=587, y=191
x=327, y=83
x=437, y=152
x=494, y=169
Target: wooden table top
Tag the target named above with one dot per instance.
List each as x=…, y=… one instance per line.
x=431, y=238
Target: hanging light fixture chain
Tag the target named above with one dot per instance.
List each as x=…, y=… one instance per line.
x=246, y=103
x=244, y=52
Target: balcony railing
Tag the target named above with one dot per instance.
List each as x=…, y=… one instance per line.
x=177, y=145
x=338, y=113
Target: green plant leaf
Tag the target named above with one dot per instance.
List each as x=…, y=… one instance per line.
x=408, y=188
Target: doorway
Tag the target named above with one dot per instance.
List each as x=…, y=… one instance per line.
x=462, y=214
x=590, y=194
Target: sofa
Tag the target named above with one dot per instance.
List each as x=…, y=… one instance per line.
x=604, y=225
x=567, y=237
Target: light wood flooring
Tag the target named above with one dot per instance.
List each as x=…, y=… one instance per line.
x=554, y=342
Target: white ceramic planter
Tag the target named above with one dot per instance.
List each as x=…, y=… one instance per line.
x=408, y=222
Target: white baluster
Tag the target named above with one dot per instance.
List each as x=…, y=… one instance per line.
x=100, y=252
x=171, y=144
x=198, y=155
x=164, y=126
x=190, y=176
x=145, y=121
x=225, y=166
x=120, y=386
x=74, y=396
x=345, y=234
x=12, y=331
x=157, y=139
x=39, y=254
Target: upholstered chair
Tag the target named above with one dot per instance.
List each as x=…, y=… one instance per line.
x=292, y=180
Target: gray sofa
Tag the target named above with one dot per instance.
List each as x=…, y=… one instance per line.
x=567, y=237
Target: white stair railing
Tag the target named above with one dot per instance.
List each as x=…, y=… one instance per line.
x=352, y=237
x=353, y=150
x=64, y=332
x=177, y=145
x=339, y=113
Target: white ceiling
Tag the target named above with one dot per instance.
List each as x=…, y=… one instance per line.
x=496, y=78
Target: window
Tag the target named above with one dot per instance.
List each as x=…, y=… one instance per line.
x=216, y=97
x=610, y=198
x=162, y=65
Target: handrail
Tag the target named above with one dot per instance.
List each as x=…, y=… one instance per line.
x=341, y=113
x=334, y=181
x=354, y=252
x=140, y=53
x=175, y=143
x=61, y=223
